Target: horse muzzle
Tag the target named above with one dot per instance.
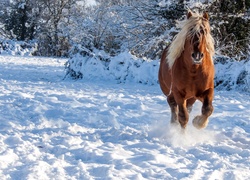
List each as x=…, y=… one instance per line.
x=197, y=57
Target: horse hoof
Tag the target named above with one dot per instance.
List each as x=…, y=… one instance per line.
x=200, y=122
x=175, y=123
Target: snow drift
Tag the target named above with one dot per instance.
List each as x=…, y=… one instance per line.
x=125, y=67
x=122, y=68
x=12, y=47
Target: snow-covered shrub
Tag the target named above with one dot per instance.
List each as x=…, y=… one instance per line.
x=11, y=47
x=122, y=68
x=231, y=28
x=125, y=67
x=232, y=75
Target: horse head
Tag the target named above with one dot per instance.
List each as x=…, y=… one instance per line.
x=197, y=37
x=194, y=39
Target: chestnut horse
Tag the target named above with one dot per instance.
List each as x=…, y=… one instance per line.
x=186, y=70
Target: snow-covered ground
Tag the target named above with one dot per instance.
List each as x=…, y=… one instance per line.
x=52, y=128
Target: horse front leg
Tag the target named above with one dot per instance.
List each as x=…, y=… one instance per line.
x=190, y=103
x=182, y=111
x=183, y=114
x=174, y=109
x=207, y=109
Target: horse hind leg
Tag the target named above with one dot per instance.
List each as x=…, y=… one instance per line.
x=174, y=109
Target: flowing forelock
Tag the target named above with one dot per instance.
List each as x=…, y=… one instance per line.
x=189, y=27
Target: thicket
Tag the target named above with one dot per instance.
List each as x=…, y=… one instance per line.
x=143, y=27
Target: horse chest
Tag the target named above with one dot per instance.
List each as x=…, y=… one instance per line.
x=190, y=81
x=189, y=76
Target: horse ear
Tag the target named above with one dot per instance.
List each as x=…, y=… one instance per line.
x=206, y=16
x=189, y=14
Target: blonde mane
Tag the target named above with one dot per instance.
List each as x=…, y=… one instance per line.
x=189, y=27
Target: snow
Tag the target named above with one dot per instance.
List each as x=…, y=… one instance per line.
x=56, y=128
x=88, y=3
x=91, y=2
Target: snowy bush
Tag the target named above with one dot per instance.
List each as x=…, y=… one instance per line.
x=232, y=75
x=11, y=47
x=122, y=68
x=125, y=67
